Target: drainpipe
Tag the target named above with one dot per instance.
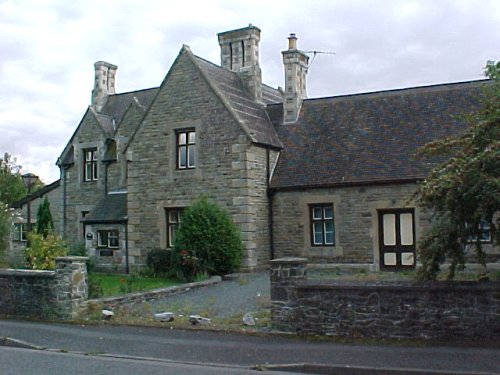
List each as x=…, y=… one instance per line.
x=127, y=270
x=269, y=204
x=63, y=173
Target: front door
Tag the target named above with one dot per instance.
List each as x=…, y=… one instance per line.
x=397, y=239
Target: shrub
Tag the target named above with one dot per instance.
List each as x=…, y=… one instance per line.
x=208, y=235
x=77, y=249
x=42, y=253
x=158, y=262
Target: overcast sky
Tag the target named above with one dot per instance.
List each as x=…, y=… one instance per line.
x=48, y=48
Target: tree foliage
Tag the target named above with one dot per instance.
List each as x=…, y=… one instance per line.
x=42, y=252
x=464, y=190
x=11, y=184
x=207, y=240
x=44, y=222
x=4, y=228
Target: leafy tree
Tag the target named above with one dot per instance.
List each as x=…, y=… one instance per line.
x=4, y=228
x=207, y=241
x=465, y=190
x=11, y=184
x=44, y=222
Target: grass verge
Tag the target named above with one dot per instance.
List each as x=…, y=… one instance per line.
x=108, y=285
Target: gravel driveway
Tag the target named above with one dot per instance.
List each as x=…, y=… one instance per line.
x=230, y=298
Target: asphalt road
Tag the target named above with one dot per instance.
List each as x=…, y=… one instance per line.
x=14, y=361
x=242, y=350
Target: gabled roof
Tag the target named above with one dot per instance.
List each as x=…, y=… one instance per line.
x=36, y=194
x=369, y=138
x=250, y=114
x=110, y=209
x=117, y=104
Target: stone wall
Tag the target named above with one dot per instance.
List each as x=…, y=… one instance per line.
x=229, y=168
x=45, y=294
x=439, y=310
x=356, y=220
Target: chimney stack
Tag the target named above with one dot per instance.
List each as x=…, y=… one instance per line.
x=104, y=84
x=240, y=54
x=295, y=63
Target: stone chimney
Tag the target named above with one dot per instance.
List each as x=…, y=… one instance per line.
x=296, y=63
x=240, y=53
x=104, y=83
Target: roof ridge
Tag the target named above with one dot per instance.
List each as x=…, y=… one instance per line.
x=435, y=87
x=135, y=91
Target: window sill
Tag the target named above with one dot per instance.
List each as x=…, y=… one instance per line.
x=323, y=251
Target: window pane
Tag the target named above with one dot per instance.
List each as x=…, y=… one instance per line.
x=191, y=156
x=192, y=137
x=173, y=216
x=329, y=233
x=88, y=171
x=182, y=157
x=101, y=238
x=389, y=223
x=328, y=212
x=113, y=239
x=390, y=259
x=182, y=138
x=406, y=228
x=317, y=213
x=407, y=259
x=318, y=233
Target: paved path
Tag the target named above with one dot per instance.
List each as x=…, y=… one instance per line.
x=230, y=298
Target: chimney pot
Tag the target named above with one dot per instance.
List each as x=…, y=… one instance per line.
x=292, y=42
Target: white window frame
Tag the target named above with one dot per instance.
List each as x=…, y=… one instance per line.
x=20, y=232
x=185, y=146
x=90, y=165
x=105, y=238
x=323, y=221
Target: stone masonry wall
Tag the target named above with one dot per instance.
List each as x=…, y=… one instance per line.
x=440, y=310
x=356, y=221
x=45, y=294
x=228, y=166
x=82, y=196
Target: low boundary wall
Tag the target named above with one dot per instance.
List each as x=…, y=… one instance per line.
x=45, y=294
x=437, y=310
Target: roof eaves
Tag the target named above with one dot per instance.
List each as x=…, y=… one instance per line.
x=36, y=194
x=373, y=182
x=219, y=95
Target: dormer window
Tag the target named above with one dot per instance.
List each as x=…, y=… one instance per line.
x=186, y=149
x=90, y=165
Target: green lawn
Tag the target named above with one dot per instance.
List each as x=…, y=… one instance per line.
x=108, y=285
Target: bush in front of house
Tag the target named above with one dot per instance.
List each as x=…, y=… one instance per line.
x=42, y=252
x=207, y=241
x=159, y=262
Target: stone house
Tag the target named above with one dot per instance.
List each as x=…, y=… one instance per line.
x=330, y=179
x=23, y=214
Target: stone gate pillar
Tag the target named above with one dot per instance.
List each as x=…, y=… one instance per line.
x=71, y=284
x=285, y=272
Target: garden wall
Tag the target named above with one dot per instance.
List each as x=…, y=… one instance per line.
x=438, y=310
x=45, y=294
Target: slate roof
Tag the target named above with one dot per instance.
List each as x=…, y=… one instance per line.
x=117, y=104
x=368, y=138
x=36, y=194
x=248, y=112
x=110, y=209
